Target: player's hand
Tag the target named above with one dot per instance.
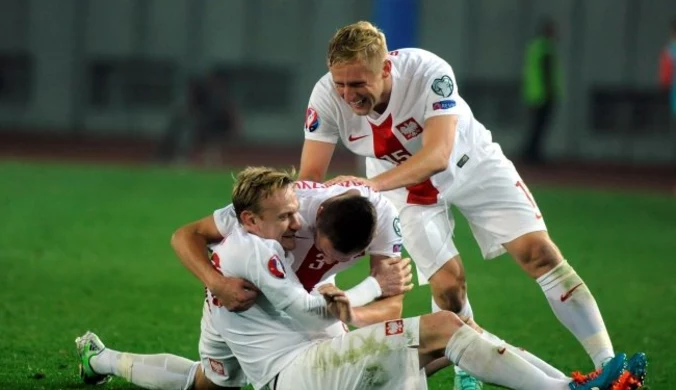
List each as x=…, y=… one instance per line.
x=352, y=180
x=234, y=294
x=393, y=275
x=337, y=302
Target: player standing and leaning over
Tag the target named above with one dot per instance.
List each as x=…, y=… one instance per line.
x=426, y=151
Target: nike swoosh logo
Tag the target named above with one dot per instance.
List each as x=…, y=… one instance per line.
x=501, y=350
x=352, y=138
x=564, y=297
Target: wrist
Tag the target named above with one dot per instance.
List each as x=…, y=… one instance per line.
x=357, y=320
x=375, y=185
x=365, y=292
x=214, y=278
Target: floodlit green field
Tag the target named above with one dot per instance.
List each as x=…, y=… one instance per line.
x=88, y=248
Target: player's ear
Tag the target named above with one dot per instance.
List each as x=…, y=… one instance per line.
x=248, y=218
x=387, y=68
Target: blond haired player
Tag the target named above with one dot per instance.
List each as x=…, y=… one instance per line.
x=281, y=341
x=425, y=150
x=319, y=241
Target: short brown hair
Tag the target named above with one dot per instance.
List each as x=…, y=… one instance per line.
x=254, y=184
x=361, y=41
x=348, y=221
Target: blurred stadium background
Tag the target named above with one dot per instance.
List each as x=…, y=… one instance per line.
x=162, y=89
x=122, y=69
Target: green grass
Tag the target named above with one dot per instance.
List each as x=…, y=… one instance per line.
x=88, y=248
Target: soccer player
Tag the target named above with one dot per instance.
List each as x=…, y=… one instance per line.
x=281, y=341
x=425, y=150
x=190, y=243
x=321, y=251
x=326, y=221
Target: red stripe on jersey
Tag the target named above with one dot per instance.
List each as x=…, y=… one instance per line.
x=216, y=263
x=387, y=147
x=313, y=268
x=422, y=193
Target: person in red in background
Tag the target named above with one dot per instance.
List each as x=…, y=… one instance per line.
x=668, y=79
x=668, y=67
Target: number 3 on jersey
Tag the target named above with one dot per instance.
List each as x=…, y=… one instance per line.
x=318, y=262
x=313, y=268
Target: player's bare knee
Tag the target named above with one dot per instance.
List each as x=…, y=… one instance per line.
x=542, y=256
x=436, y=330
x=452, y=297
x=449, y=286
x=449, y=321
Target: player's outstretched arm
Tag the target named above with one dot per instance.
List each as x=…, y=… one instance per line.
x=384, y=309
x=437, y=145
x=315, y=311
x=390, y=278
x=315, y=160
x=190, y=244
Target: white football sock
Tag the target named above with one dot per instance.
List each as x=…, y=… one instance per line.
x=466, y=312
x=525, y=355
x=161, y=371
x=497, y=365
x=575, y=307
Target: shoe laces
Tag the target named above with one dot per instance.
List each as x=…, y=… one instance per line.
x=626, y=381
x=581, y=378
x=468, y=382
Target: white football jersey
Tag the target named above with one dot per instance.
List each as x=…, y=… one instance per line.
x=423, y=86
x=309, y=265
x=263, y=338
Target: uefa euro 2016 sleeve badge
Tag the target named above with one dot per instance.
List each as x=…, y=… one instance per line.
x=443, y=86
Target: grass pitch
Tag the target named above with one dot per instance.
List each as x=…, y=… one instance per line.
x=88, y=248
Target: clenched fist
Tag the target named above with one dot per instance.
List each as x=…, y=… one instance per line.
x=393, y=275
x=337, y=302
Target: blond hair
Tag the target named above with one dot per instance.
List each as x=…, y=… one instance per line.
x=254, y=184
x=361, y=41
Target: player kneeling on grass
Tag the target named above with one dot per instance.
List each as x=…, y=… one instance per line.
x=281, y=341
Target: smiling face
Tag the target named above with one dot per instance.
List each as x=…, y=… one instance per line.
x=266, y=204
x=357, y=61
x=362, y=88
x=277, y=218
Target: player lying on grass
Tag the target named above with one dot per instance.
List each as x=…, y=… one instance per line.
x=425, y=150
x=281, y=341
x=320, y=252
